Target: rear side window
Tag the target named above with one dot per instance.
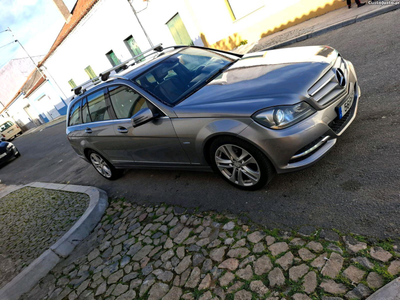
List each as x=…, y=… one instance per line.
x=75, y=114
x=5, y=126
x=85, y=112
x=98, y=108
x=126, y=102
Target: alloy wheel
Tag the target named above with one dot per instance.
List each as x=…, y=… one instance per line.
x=237, y=165
x=100, y=165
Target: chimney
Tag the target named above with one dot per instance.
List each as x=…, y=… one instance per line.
x=63, y=9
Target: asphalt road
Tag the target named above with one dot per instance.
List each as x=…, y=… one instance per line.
x=355, y=188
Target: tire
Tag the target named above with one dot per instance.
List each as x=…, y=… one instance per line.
x=240, y=163
x=103, y=167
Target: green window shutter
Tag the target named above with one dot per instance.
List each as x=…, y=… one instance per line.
x=133, y=47
x=72, y=83
x=179, y=31
x=90, y=72
x=113, y=58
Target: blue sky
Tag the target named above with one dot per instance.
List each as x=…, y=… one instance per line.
x=35, y=23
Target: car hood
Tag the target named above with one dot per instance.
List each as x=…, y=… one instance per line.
x=260, y=80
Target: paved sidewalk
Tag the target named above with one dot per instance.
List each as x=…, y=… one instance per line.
x=318, y=25
x=168, y=253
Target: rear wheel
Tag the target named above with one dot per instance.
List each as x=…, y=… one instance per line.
x=102, y=166
x=240, y=163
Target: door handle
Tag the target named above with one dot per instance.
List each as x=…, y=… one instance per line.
x=88, y=130
x=122, y=130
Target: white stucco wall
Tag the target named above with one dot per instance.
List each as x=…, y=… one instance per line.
x=110, y=22
x=105, y=28
x=46, y=101
x=16, y=112
x=159, y=12
x=216, y=22
x=102, y=30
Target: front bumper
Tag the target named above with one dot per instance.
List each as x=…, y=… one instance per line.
x=304, y=143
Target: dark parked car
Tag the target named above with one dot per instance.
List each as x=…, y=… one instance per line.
x=8, y=151
x=245, y=116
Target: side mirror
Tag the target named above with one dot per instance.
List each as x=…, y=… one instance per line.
x=142, y=116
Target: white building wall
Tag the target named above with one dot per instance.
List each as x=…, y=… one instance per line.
x=105, y=28
x=17, y=112
x=46, y=101
x=216, y=22
x=159, y=12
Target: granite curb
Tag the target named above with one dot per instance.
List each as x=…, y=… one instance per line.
x=391, y=291
x=41, y=266
x=338, y=25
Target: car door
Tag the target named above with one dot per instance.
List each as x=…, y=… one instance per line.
x=153, y=142
x=98, y=133
x=75, y=128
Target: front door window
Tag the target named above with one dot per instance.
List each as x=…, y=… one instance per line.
x=126, y=102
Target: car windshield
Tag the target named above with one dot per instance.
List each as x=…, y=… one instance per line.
x=182, y=73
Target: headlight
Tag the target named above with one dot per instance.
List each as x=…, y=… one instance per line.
x=9, y=146
x=284, y=116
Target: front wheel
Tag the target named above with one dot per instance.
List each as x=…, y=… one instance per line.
x=102, y=166
x=240, y=163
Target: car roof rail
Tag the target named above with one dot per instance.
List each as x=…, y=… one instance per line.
x=103, y=76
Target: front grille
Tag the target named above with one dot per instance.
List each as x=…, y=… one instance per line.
x=328, y=87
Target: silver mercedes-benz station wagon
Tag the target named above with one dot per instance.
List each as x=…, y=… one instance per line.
x=245, y=116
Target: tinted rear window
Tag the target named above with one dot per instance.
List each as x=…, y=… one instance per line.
x=5, y=126
x=75, y=114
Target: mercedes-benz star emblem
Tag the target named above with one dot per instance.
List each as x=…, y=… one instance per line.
x=340, y=77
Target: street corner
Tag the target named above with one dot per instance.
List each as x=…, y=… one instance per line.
x=166, y=252
x=38, y=226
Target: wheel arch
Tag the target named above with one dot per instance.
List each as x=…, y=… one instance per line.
x=86, y=153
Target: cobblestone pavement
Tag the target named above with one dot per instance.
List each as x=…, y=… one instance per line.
x=31, y=220
x=167, y=253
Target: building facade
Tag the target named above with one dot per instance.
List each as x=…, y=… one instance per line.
x=99, y=34
x=110, y=33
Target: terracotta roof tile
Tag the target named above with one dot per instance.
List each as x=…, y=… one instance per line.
x=82, y=7
x=31, y=86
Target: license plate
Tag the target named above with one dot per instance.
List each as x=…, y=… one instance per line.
x=2, y=155
x=345, y=107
